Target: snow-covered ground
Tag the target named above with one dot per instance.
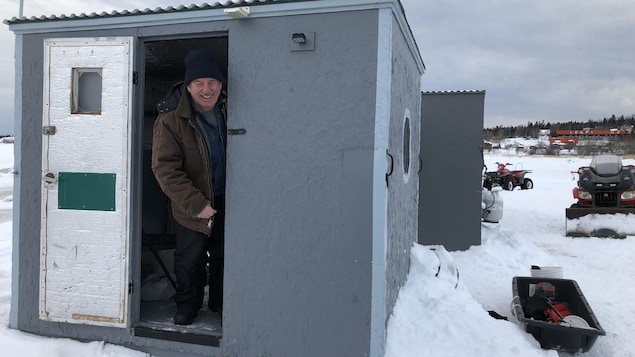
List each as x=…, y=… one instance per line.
x=433, y=316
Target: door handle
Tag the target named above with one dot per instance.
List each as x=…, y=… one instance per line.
x=49, y=178
x=240, y=131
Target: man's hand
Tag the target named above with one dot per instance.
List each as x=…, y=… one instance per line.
x=207, y=212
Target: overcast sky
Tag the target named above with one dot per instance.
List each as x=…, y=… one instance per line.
x=538, y=60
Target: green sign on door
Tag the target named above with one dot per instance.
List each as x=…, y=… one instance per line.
x=86, y=191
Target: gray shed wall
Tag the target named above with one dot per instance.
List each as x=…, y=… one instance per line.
x=299, y=216
x=450, y=183
x=404, y=181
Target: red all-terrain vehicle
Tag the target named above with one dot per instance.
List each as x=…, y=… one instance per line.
x=508, y=179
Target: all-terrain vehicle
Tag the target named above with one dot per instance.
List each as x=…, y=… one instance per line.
x=508, y=179
x=605, y=187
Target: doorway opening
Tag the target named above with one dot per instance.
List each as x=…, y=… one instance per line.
x=164, y=67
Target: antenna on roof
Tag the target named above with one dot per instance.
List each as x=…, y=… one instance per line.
x=21, y=8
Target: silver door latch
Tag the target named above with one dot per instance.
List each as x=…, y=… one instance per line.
x=48, y=130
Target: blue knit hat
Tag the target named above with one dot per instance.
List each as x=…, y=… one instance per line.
x=200, y=64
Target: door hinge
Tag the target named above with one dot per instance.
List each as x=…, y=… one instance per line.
x=135, y=77
x=48, y=130
x=130, y=287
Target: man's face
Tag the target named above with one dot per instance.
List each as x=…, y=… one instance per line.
x=205, y=93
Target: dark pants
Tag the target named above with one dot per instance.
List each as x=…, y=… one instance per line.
x=191, y=258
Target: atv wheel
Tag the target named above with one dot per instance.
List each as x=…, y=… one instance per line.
x=528, y=184
x=509, y=185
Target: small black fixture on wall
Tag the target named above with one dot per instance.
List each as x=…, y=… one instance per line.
x=302, y=41
x=299, y=38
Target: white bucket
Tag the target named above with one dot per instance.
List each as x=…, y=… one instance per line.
x=547, y=271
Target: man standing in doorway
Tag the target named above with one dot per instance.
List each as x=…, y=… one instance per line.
x=188, y=161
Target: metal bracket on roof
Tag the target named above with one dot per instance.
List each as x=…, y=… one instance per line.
x=237, y=12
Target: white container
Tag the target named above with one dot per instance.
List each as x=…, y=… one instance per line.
x=492, y=204
x=547, y=272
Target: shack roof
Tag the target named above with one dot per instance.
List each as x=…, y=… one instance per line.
x=157, y=10
x=204, y=12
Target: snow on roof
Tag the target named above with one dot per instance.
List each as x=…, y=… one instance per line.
x=158, y=10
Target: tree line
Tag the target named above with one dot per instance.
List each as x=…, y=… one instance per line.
x=618, y=144
x=531, y=130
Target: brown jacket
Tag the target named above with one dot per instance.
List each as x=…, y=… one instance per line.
x=181, y=164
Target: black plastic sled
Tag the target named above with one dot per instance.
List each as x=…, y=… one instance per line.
x=556, y=313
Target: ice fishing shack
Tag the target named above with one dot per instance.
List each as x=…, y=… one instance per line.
x=451, y=123
x=324, y=120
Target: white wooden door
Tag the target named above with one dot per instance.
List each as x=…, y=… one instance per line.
x=85, y=180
